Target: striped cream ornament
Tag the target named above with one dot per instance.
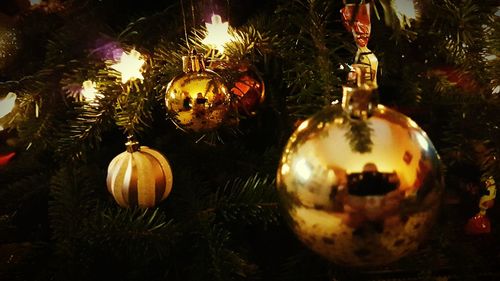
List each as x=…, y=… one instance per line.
x=139, y=176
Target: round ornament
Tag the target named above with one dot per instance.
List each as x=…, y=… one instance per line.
x=360, y=183
x=197, y=99
x=139, y=176
x=247, y=86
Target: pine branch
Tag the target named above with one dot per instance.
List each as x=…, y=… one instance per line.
x=313, y=49
x=252, y=201
x=73, y=199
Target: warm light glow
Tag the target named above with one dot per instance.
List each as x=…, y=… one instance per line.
x=217, y=33
x=412, y=123
x=303, y=125
x=7, y=104
x=424, y=144
x=130, y=66
x=89, y=92
x=405, y=10
x=285, y=169
x=303, y=170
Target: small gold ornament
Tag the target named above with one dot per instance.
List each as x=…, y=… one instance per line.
x=139, y=176
x=360, y=183
x=197, y=99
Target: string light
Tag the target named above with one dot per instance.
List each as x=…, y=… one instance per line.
x=130, y=66
x=217, y=33
x=89, y=92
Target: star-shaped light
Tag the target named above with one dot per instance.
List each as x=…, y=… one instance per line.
x=217, y=33
x=7, y=104
x=130, y=66
x=89, y=92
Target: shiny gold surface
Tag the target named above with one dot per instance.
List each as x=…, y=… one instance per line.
x=198, y=100
x=360, y=191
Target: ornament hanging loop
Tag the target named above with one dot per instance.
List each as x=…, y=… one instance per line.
x=193, y=62
x=360, y=99
x=132, y=144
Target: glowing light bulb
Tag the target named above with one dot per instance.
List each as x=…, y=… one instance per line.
x=130, y=66
x=7, y=104
x=217, y=33
x=89, y=92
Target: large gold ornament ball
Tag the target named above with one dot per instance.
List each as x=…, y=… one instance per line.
x=139, y=177
x=198, y=101
x=360, y=192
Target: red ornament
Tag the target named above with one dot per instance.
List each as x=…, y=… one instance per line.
x=246, y=85
x=480, y=223
x=456, y=77
x=249, y=90
x=4, y=159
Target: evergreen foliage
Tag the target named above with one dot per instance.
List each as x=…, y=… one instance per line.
x=222, y=220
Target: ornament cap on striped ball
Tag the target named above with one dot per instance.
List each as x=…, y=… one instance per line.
x=140, y=176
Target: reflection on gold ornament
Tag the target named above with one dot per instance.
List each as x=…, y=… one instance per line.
x=197, y=99
x=360, y=183
x=139, y=176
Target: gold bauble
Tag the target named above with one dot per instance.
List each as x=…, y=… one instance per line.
x=139, y=176
x=360, y=183
x=197, y=99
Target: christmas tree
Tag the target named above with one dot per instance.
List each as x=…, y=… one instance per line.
x=200, y=108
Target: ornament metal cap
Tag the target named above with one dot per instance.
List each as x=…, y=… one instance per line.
x=360, y=99
x=132, y=144
x=193, y=62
